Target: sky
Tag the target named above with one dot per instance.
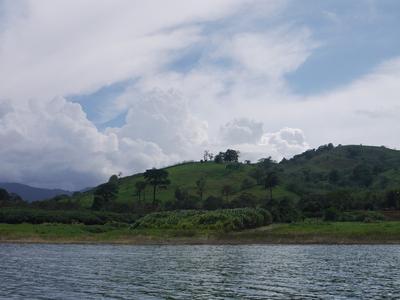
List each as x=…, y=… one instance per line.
x=92, y=88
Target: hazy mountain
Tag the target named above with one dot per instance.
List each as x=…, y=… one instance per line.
x=29, y=193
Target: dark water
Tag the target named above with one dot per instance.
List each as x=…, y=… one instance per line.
x=199, y=272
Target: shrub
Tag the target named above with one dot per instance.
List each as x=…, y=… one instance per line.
x=331, y=214
x=39, y=216
x=222, y=219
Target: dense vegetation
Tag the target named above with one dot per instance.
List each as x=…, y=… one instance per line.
x=349, y=183
x=39, y=216
x=223, y=219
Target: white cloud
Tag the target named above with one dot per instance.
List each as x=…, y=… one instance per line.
x=231, y=93
x=272, y=54
x=64, y=47
x=162, y=117
x=249, y=138
x=240, y=131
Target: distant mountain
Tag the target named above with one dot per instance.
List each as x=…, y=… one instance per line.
x=29, y=193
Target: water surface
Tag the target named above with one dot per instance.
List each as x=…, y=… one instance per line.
x=41, y=271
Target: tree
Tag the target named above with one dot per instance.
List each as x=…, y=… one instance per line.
x=266, y=163
x=231, y=155
x=362, y=174
x=105, y=193
x=270, y=181
x=141, y=187
x=264, y=166
x=392, y=199
x=213, y=203
x=201, y=185
x=219, y=158
x=244, y=200
x=333, y=176
x=156, y=177
x=207, y=155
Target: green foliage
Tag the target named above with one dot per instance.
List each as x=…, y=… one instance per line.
x=331, y=214
x=283, y=210
x=105, y=194
x=227, y=156
x=38, y=216
x=247, y=183
x=344, y=177
x=201, y=185
x=213, y=203
x=244, y=200
x=183, y=200
x=222, y=220
x=361, y=216
x=9, y=199
x=156, y=177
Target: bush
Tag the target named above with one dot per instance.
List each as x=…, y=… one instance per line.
x=247, y=183
x=361, y=216
x=222, y=219
x=331, y=214
x=39, y=216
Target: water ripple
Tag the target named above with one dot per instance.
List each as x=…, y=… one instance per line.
x=199, y=272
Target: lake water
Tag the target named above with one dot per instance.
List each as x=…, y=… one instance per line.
x=199, y=272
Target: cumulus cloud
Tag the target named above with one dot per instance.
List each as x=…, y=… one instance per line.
x=54, y=145
x=239, y=131
x=233, y=92
x=162, y=117
x=249, y=138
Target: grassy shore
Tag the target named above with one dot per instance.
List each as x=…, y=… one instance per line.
x=299, y=233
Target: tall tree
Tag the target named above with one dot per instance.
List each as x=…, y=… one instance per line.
x=141, y=187
x=105, y=194
x=156, y=177
x=270, y=181
x=226, y=191
x=201, y=185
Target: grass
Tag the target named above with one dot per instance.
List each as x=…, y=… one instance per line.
x=185, y=176
x=300, y=233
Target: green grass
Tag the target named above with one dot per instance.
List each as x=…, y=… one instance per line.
x=303, y=233
x=185, y=176
x=326, y=232
x=318, y=164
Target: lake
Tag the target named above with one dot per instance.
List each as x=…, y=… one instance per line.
x=44, y=271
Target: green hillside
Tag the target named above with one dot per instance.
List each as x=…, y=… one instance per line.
x=364, y=172
x=185, y=176
x=343, y=183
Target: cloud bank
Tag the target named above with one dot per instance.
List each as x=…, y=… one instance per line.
x=199, y=75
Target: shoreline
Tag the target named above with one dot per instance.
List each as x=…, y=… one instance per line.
x=217, y=243
x=335, y=233
x=200, y=242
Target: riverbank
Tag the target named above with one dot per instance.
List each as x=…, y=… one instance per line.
x=298, y=233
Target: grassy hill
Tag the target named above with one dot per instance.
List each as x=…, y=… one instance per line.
x=185, y=176
x=323, y=170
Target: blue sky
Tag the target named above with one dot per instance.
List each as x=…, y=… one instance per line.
x=353, y=37
x=89, y=89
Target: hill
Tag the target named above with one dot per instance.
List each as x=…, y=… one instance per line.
x=359, y=171
x=29, y=193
